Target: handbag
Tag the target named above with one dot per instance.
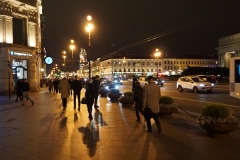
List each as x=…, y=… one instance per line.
x=84, y=100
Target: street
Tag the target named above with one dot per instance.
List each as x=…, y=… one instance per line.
x=194, y=102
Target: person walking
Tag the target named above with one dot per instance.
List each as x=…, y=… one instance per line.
x=65, y=90
x=70, y=83
x=18, y=90
x=134, y=82
x=151, y=97
x=96, y=84
x=55, y=85
x=77, y=87
x=90, y=94
x=138, y=98
x=25, y=91
x=50, y=86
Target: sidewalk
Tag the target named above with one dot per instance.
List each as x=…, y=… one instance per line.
x=42, y=132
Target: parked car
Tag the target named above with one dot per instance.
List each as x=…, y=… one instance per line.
x=194, y=83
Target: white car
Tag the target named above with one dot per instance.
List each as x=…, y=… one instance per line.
x=194, y=83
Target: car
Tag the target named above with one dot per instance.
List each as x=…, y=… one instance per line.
x=159, y=81
x=109, y=85
x=117, y=81
x=194, y=83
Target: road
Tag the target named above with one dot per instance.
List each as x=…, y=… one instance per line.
x=195, y=102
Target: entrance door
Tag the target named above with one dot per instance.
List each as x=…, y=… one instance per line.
x=20, y=69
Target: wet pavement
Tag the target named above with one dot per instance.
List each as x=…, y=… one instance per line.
x=43, y=132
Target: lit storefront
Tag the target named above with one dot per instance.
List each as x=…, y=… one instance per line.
x=20, y=42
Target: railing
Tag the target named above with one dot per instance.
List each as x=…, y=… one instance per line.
x=29, y=2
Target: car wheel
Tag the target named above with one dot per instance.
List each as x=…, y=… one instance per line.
x=180, y=88
x=209, y=91
x=195, y=89
x=162, y=85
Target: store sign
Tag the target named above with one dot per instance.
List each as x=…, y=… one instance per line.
x=20, y=54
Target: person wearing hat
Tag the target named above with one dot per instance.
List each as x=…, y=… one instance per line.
x=151, y=97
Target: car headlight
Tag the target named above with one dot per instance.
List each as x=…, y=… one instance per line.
x=115, y=81
x=120, y=80
x=163, y=81
x=212, y=84
x=156, y=82
x=116, y=87
x=106, y=87
x=201, y=85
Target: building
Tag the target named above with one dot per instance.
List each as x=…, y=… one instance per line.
x=124, y=67
x=228, y=47
x=20, y=42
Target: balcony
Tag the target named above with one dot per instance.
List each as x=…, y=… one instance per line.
x=29, y=2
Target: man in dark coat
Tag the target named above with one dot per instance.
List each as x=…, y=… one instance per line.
x=55, y=85
x=138, y=98
x=134, y=82
x=77, y=87
x=96, y=84
x=25, y=91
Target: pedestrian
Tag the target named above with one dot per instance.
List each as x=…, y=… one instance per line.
x=77, y=87
x=50, y=86
x=25, y=91
x=96, y=84
x=151, y=97
x=18, y=90
x=55, y=85
x=90, y=94
x=70, y=83
x=134, y=82
x=65, y=89
x=138, y=98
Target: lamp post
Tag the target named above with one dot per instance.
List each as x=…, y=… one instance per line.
x=157, y=54
x=88, y=28
x=64, y=57
x=72, y=48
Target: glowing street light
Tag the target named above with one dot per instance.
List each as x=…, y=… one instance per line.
x=88, y=29
x=157, y=54
x=72, y=47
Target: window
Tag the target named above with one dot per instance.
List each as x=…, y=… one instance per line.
x=19, y=31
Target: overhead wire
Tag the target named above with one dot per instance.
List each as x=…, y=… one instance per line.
x=148, y=39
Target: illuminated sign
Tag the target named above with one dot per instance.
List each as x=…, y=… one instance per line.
x=20, y=54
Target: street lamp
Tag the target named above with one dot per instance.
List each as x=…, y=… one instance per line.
x=72, y=48
x=89, y=28
x=157, y=54
x=64, y=57
x=124, y=64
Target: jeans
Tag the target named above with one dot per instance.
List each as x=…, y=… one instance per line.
x=95, y=98
x=76, y=94
x=138, y=108
x=148, y=115
x=64, y=102
x=26, y=96
x=89, y=106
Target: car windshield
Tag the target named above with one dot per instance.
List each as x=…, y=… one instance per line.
x=197, y=80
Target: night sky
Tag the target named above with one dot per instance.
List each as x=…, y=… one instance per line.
x=185, y=27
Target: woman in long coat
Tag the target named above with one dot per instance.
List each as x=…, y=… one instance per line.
x=65, y=90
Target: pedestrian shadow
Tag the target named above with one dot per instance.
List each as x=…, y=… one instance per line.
x=75, y=116
x=99, y=118
x=63, y=122
x=90, y=137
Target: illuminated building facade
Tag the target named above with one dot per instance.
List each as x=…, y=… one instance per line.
x=20, y=42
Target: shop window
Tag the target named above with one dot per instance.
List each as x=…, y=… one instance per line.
x=19, y=31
